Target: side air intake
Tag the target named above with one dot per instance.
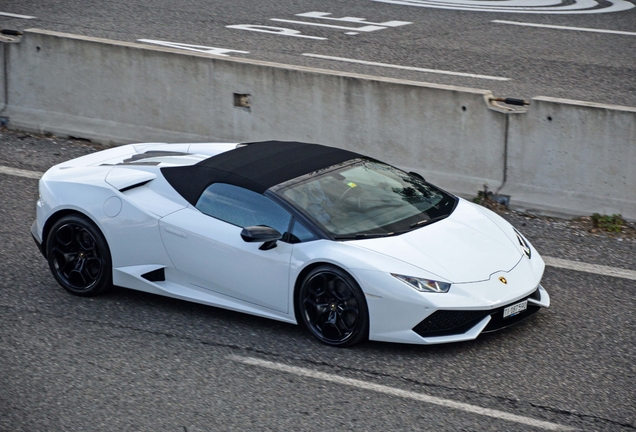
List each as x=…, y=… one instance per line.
x=158, y=275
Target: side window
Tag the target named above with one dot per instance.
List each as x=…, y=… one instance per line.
x=300, y=233
x=242, y=207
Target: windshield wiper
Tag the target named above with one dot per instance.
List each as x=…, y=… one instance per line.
x=358, y=236
x=426, y=221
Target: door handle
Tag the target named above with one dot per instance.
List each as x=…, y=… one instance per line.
x=176, y=232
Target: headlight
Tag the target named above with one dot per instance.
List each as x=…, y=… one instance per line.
x=424, y=285
x=524, y=244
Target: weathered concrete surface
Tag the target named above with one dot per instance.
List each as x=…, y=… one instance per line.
x=573, y=157
x=3, y=96
x=120, y=92
x=113, y=92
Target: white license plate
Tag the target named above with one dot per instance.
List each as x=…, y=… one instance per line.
x=515, y=309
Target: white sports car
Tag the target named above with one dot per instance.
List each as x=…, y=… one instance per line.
x=351, y=247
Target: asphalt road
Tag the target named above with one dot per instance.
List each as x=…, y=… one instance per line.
x=134, y=361
x=591, y=56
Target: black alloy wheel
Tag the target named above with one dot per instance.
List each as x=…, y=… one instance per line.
x=78, y=256
x=333, y=307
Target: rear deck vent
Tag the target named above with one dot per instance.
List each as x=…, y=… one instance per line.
x=136, y=158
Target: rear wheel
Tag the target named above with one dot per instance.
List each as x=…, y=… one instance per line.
x=333, y=307
x=78, y=256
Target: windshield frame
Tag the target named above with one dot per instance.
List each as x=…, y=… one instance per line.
x=396, y=228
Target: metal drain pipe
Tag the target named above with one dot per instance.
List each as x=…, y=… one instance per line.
x=508, y=107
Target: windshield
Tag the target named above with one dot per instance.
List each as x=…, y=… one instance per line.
x=367, y=198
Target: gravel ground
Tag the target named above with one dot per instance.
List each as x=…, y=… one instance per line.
x=39, y=152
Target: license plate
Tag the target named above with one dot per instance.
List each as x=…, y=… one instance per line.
x=515, y=309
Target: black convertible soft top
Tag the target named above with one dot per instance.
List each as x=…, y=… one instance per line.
x=255, y=166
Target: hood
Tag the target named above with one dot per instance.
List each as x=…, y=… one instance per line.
x=465, y=247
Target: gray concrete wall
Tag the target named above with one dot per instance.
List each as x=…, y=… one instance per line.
x=573, y=157
x=118, y=92
x=122, y=92
x=3, y=96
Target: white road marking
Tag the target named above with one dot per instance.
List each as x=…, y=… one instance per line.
x=325, y=15
x=435, y=71
x=368, y=28
x=196, y=48
x=590, y=268
x=618, y=32
x=20, y=172
x=521, y=6
x=550, y=261
x=10, y=15
x=273, y=30
x=391, y=391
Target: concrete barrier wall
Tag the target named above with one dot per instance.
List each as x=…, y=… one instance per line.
x=118, y=92
x=122, y=92
x=573, y=157
x=3, y=96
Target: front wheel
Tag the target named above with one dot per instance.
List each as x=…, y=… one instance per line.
x=78, y=256
x=333, y=307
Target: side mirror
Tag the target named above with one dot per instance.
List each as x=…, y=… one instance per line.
x=261, y=233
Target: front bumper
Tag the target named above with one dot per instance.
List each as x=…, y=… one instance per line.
x=36, y=239
x=457, y=322
x=399, y=313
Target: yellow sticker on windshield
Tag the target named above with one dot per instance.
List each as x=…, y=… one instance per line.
x=351, y=184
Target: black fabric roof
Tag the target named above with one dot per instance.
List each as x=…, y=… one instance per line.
x=255, y=166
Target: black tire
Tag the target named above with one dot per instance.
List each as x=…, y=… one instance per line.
x=332, y=306
x=79, y=257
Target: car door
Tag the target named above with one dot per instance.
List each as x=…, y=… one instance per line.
x=205, y=246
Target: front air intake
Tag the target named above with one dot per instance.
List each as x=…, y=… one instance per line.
x=454, y=322
x=449, y=322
